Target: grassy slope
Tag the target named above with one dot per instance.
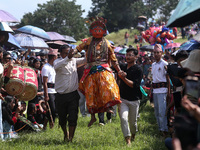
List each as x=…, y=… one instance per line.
x=95, y=138
x=118, y=37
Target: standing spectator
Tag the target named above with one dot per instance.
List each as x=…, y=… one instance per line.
x=175, y=31
x=126, y=36
x=1, y=54
x=101, y=118
x=66, y=85
x=136, y=39
x=146, y=66
x=130, y=94
x=36, y=66
x=3, y=39
x=48, y=76
x=82, y=100
x=159, y=85
x=183, y=33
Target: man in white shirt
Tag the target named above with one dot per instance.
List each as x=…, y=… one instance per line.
x=48, y=76
x=66, y=85
x=160, y=90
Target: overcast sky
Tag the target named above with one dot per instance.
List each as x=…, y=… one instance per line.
x=19, y=7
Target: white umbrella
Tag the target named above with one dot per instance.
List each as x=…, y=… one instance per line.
x=4, y=27
x=7, y=17
x=35, y=31
x=29, y=41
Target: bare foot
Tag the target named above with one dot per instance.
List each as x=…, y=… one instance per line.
x=92, y=121
x=128, y=140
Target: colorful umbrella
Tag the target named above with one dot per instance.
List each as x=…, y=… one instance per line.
x=117, y=49
x=44, y=51
x=172, y=45
x=186, y=12
x=189, y=46
x=29, y=41
x=123, y=51
x=54, y=36
x=72, y=45
x=12, y=42
x=69, y=39
x=56, y=44
x=34, y=31
x=192, y=32
x=147, y=48
x=4, y=27
x=7, y=17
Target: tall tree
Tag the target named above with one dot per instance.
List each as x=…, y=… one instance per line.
x=166, y=8
x=124, y=13
x=61, y=16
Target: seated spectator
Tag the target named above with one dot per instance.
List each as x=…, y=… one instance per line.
x=20, y=126
x=41, y=114
x=30, y=113
x=8, y=118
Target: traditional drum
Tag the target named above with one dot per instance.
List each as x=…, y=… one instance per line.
x=31, y=85
x=15, y=85
x=23, y=83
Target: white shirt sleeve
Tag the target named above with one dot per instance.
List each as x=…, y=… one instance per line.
x=80, y=61
x=45, y=72
x=59, y=63
x=1, y=69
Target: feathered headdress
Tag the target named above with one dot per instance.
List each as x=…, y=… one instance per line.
x=97, y=21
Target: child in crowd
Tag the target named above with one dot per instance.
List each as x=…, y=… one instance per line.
x=8, y=118
x=20, y=125
x=41, y=115
x=31, y=112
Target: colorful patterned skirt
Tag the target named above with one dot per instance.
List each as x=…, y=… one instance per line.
x=100, y=89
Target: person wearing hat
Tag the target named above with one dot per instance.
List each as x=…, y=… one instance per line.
x=48, y=76
x=193, y=61
x=160, y=90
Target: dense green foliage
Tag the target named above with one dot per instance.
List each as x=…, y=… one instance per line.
x=124, y=13
x=64, y=16
x=61, y=16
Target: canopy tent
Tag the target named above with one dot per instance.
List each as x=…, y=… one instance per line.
x=186, y=12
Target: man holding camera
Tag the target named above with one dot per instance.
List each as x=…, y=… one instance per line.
x=160, y=90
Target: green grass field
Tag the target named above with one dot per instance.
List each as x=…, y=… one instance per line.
x=108, y=137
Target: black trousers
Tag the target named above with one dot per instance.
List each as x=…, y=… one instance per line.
x=101, y=117
x=52, y=105
x=67, y=108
